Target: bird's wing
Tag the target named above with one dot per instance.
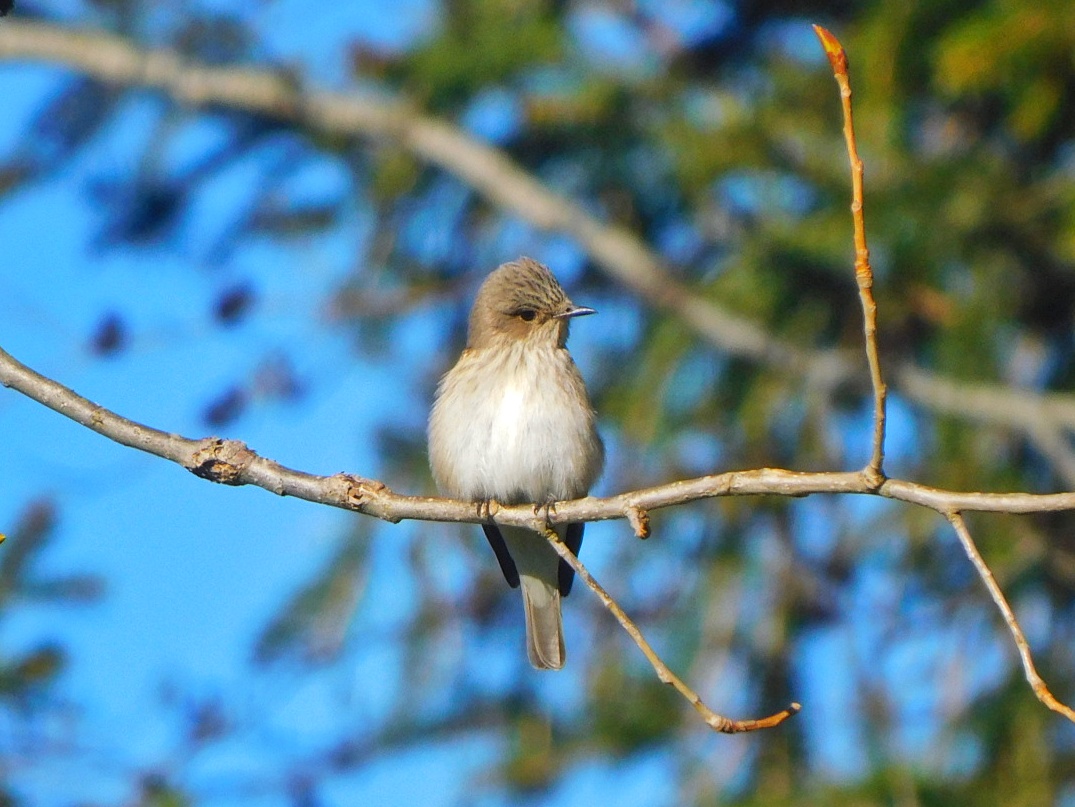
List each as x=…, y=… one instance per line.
x=503, y=557
x=565, y=574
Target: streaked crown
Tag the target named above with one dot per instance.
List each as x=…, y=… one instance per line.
x=521, y=300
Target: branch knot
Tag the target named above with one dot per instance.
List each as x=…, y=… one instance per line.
x=874, y=478
x=223, y=461
x=639, y=520
x=362, y=493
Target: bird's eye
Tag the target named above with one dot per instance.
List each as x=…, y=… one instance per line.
x=526, y=314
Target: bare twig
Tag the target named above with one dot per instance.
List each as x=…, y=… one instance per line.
x=1029, y=670
x=713, y=720
x=231, y=462
x=863, y=271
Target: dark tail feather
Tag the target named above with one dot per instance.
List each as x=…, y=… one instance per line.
x=503, y=557
x=564, y=573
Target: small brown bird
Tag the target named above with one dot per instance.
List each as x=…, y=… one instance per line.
x=512, y=423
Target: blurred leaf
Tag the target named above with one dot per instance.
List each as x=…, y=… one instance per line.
x=227, y=408
x=294, y=221
x=110, y=337
x=14, y=172
x=79, y=588
x=32, y=531
x=310, y=628
x=233, y=304
x=395, y=172
x=275, y=379
x=532, y=764
x=25, y=680
x=631, y=712
x=156, y=791
x=207, y=720
x=214, y=38
x=367, y=59
x=31, y=535
x=66, y=123
x=483, y=42
x=40, y=665
x=142, y=212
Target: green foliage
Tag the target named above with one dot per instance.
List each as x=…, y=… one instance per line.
x=482, y=43
x=632, y=710
x=311, y=627
x=25, y=677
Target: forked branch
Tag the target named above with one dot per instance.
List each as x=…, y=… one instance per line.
x=874, y=471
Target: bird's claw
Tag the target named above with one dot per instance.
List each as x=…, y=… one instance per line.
x=546, y=508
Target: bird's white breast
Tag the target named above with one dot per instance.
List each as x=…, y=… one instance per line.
x=514, y=425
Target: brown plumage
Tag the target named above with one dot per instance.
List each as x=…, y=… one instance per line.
x=512, y=423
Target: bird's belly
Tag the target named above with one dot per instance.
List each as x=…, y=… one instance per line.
x=522, y=448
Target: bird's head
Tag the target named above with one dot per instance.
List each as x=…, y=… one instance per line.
x=521, y=300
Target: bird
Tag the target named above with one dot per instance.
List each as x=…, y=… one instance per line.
x=512, y=422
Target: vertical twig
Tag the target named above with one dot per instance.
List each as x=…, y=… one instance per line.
x=1031, y=673
x=714, y=720
x=863, y=271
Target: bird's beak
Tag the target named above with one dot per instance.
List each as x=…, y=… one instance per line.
x=576, y=311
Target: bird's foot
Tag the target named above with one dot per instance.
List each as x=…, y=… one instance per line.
x=546, y=508
x=487, y=508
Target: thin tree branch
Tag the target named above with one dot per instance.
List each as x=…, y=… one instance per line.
x=863, y=271
x=1055, y=447
x=1030, y=671
x=713, y=720
x=619, y=252
x=986, y=403
x=488, y=170
x=1046, y=420
x=230, y=462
